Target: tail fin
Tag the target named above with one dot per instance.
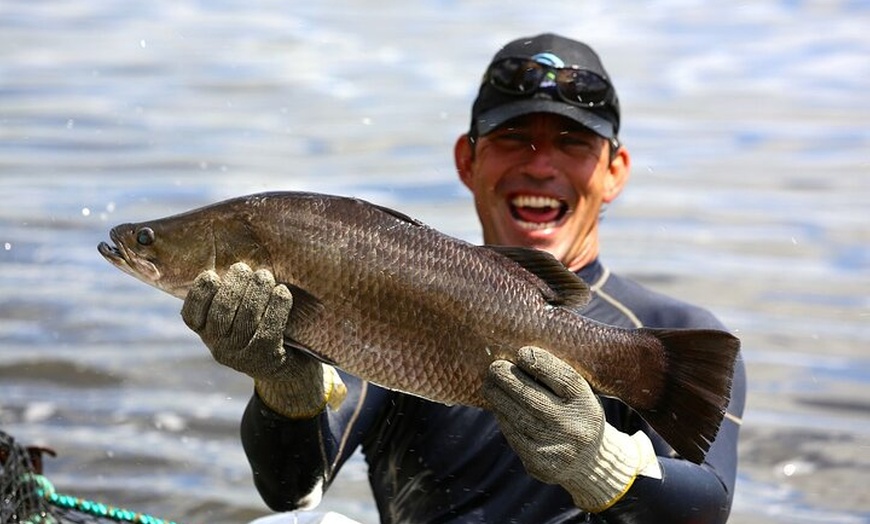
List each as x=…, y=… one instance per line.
x=699, y=369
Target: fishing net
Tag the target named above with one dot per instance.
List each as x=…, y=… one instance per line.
x=27, y=497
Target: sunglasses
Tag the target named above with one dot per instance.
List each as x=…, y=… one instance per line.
x=524, y=77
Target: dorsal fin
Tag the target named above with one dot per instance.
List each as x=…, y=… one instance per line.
x=567, y=289
x=397, y=214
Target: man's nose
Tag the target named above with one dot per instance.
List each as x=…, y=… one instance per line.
x=541, y=159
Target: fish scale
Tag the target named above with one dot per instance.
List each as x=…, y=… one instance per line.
x=397, y=303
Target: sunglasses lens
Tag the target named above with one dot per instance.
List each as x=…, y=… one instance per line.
x=583, y=88
x=516, y=75
x=521, y=76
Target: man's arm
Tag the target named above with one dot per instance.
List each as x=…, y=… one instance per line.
x=287, y=459
x=294, y=461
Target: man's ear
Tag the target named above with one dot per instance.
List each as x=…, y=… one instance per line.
x=463, y=156
x=618, y=174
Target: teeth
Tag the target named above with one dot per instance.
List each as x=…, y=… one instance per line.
x=535, y=226
x=538, y=202
x=535, y=201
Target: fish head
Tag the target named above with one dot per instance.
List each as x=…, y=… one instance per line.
x=167, y=254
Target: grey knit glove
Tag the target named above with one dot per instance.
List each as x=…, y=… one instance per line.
x=241, y=319
x=554, y=422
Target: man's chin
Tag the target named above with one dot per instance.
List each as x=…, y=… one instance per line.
x=537, y=237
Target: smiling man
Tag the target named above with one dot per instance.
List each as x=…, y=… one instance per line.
x=541, y=158
x=540, y=180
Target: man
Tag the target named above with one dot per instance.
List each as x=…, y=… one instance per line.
x=542, y=158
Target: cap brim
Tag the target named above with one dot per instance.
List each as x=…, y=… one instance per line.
x=490, y=120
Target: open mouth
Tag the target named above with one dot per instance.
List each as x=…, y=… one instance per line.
x=115, y=256
x=112, y=253
x=119, y=256
x=127, y=260
x=535, y=212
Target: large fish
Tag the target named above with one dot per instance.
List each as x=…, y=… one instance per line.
x=399, y=304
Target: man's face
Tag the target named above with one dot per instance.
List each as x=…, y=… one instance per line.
x=540, y=181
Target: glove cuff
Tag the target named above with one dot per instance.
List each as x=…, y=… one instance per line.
x=619, y=460
x=306, y=397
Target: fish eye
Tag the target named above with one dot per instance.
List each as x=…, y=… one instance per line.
x=145, y=236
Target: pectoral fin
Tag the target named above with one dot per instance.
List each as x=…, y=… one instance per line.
x=306, y=310
x=294, y=345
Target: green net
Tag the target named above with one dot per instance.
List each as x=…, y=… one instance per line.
x=27, y=497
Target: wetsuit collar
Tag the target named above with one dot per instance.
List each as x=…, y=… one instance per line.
x=591, y=272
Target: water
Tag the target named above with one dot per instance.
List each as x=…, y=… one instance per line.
x=749, y=125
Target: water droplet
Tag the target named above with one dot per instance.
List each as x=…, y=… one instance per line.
x=142, y=43
x=86, y=212
x=7, y=246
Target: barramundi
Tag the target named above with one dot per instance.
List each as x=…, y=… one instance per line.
x=397, y=303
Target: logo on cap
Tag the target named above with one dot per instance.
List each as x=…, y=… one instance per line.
x=549, y=59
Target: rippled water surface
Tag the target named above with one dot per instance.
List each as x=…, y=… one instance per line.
x=749, y=125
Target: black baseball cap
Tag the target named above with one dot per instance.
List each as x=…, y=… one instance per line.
x=493, y=107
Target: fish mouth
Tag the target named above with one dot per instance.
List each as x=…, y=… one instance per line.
x=114, y=253
x=537, y=212
x=126, y=260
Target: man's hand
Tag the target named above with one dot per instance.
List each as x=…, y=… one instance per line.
x=241, y=320
x=552, y=419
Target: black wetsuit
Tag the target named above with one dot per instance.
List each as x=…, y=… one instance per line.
x=437, y=464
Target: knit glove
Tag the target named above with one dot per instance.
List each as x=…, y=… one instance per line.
x=241, y=319
x=554, y=422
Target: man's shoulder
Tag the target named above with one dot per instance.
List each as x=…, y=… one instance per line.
x=620, y=296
